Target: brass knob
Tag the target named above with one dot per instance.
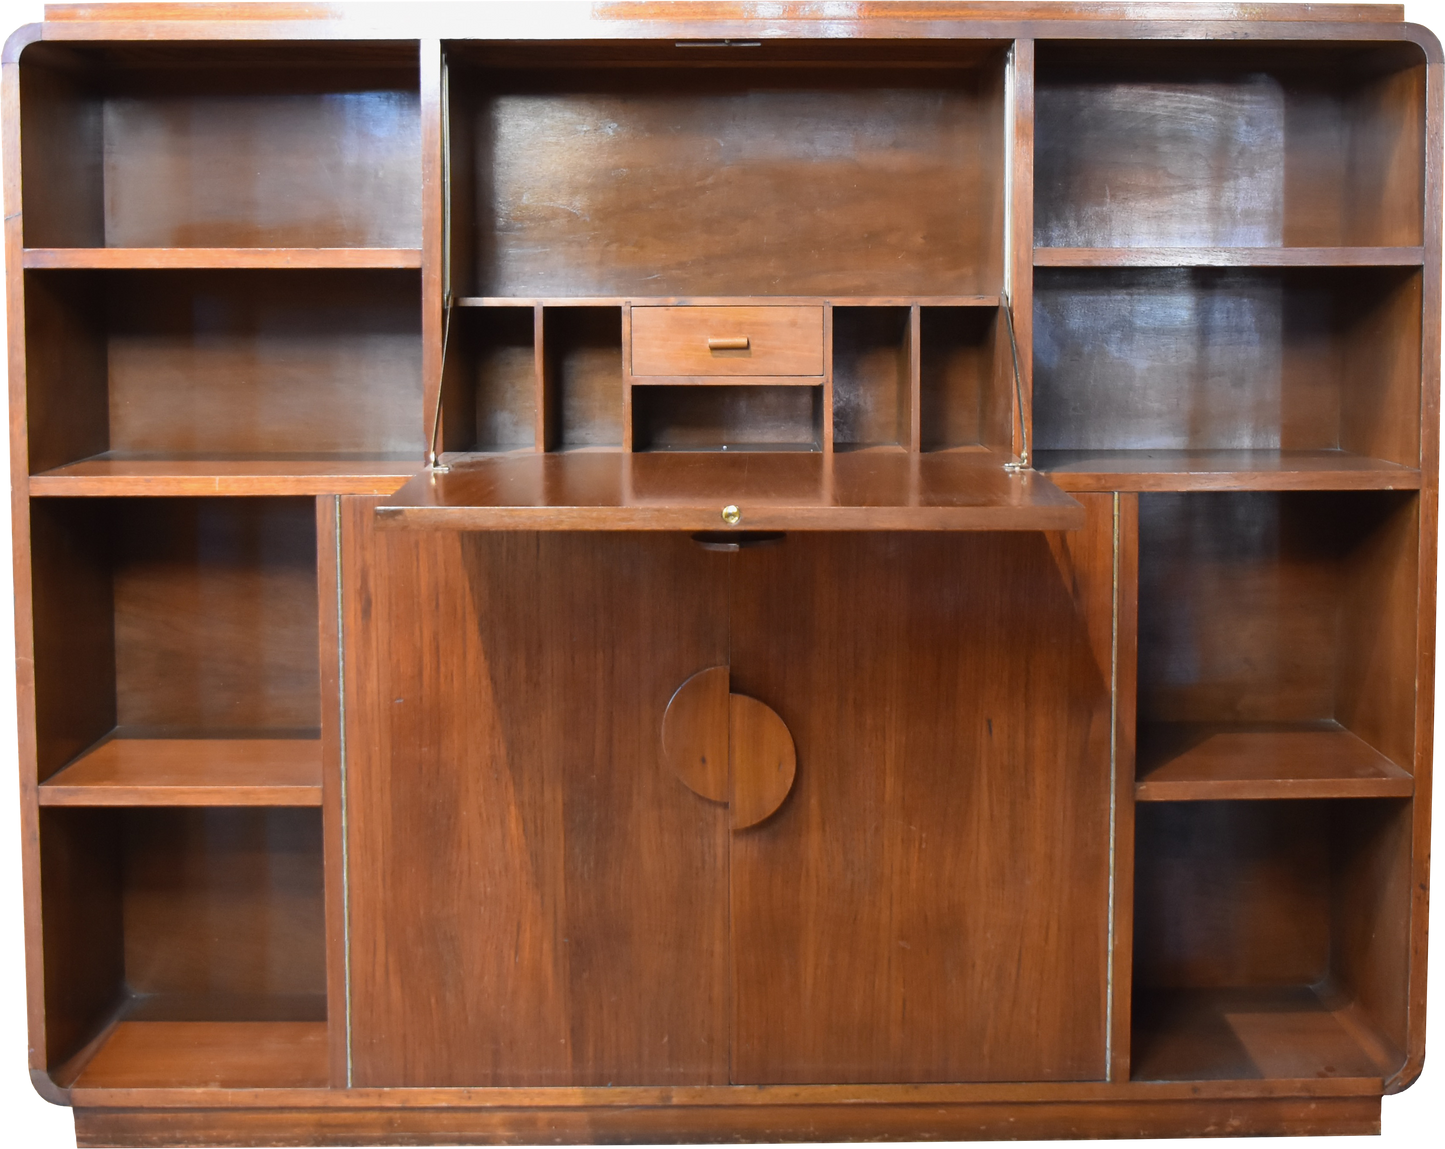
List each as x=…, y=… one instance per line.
x=731, y=515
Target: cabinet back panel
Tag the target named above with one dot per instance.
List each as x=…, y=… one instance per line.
x=732, y=181
x=1221, y=146
x=1270, y=607
x=1203, y=358
x=286, y=146
x=258, y=362
x=216, y=614
x=224, y=904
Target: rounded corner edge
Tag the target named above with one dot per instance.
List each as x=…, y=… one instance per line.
x=19, y=40
x=1406, y=1075
x=1428, y=42
x=45, y=1086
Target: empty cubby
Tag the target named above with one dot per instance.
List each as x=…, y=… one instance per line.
x=966, y=382
x=222, y=364
x=173, y=617
x=180, y=915
x=582, y=377
x=153, y=144
x=872, y=377
x=1217, y=144
x=1266, y=615
x=491, y=380
x=1269, y=939
x=1227, y=358
x=721, y=417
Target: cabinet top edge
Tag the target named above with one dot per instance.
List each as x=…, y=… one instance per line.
x=726, y=20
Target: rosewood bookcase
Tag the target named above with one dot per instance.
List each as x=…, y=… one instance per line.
x=721, y=571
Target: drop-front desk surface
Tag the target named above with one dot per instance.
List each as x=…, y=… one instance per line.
x=655, y=571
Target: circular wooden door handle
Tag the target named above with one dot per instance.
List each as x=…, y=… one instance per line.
x=728, y=747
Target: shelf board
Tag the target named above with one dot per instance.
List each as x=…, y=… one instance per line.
x=725, y=300
x=1249, y=1034
x=109, y=475
x=687, y=491
x=1197, y=762
x=156, y=258
x=1259, y=470
x=209, y=1055
x=1229, y=256
x=191, y=772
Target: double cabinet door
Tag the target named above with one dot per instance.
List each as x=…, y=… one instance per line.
x=537, y=897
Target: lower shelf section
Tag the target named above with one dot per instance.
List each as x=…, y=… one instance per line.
x=210, y=1055
x=1185, y=761
x=108, y=475
x=1248, y=1034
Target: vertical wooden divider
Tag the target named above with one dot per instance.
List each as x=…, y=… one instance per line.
x=1019, y=234
x=827, y=431
x=433, y=255
x=1125, y=687
x=626, y=375
x=542, y=422
x=1426, y=583
x=328, y=589
x=915, y=378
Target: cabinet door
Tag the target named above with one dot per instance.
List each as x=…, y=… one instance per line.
x=930, y=902
x=534, y=899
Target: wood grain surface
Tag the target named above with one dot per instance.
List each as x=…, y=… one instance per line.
x=881, y=906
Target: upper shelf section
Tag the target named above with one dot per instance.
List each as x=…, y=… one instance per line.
x=198, y=258
x=788, y=168
x=700, y=491
x=1228, y=145
x=222, y=145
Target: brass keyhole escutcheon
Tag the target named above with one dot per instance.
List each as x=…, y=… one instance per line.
x=728, y=747
x=731, y=515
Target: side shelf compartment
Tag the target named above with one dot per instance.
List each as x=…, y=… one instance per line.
x=1270, y=939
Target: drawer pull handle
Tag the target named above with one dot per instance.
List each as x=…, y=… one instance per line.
x=728, y=343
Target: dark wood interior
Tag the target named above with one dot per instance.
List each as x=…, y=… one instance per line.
x=1229, y=145
x=682, y=572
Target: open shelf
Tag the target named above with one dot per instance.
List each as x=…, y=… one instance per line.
x=1249, y=1034
x=187, y=915
x=233, y=145
x=161, y=258
x=1185, y=761
x=173, y=617
x=207, y=1055
x=191, y=772
x=1194, y=361
x=687, y=491
x=1277, y=640
x=1229, y=256
x=1228, y=145
x=108, y=475
x=1248, y=470
x=1266, y=941
x=222, y=364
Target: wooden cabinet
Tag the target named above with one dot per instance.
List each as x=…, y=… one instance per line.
x=675, y=571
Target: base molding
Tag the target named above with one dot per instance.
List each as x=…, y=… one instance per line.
x=982, y=1121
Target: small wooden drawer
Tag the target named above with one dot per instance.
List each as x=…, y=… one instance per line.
x=728, y=341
